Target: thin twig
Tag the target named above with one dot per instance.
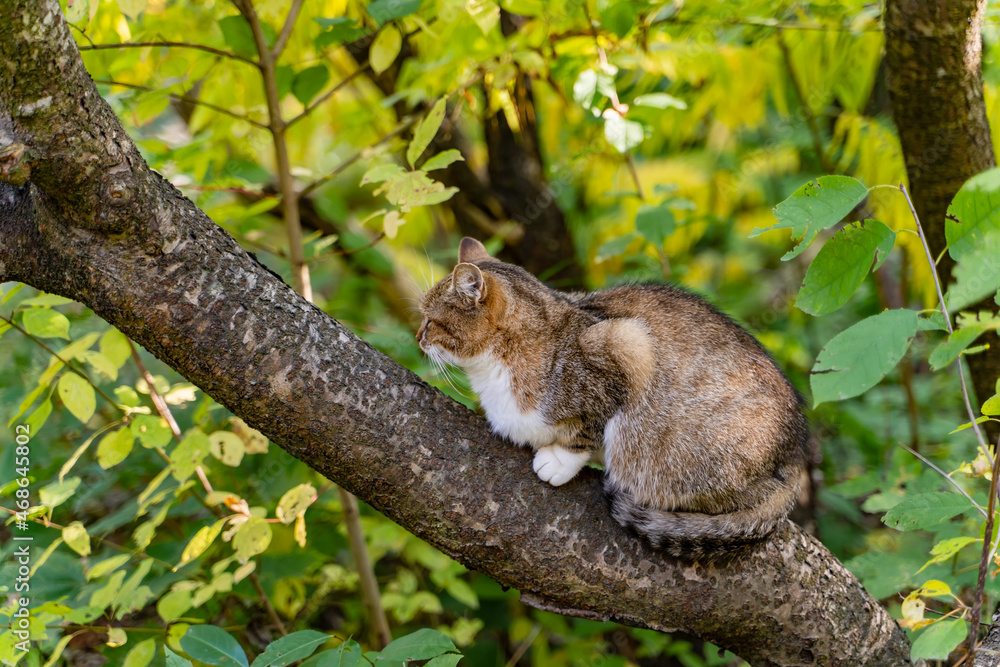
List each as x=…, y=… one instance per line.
x=947, y=320
x=286, y=30
x=181, y=45
x=946, y=476
x=66, y=363
x=255, y=580
x=523, y=646
x=186, y=98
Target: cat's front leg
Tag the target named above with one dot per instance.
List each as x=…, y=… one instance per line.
x=557, y=465
x=559, y=462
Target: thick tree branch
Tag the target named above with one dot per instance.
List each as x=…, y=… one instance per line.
x=179, y=285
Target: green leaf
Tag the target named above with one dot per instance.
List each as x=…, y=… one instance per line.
x=384, y=49
x=174, y=660
x=187, y=455
x=442, y=160
x=614, y=247
x=420, y=645
x=425, y=131
x=383, y=11
x=655, y=223
x=977, y=207
x=992, y=405
x=290, y=648
x=201, y=541
x=659, y=101
x=295, y=502
x=55, y=494
x=309, y=82
x=382, y=172
x=447, y=660
x=76, y=538
x=815, y=206
x=925, y=510
x=106, y=566
x=623, y=134
x=238, y=36
x=842, y=264
x=283, y=78
x=338, y=30
x=45, y=323
x=486, y=14
x=173, y=604
x=100, y=363
x=938, y=640
x=977, y=273
x=213, y=646
x=348, y=654
x=227, y=447
x=151, y=431
x=114, y=448
x=971, y=327
x=857, y=359
x=252, y=538
x=7, y=296
x=946, y=549
x=115, y=346
x=141, y=654
x=45, y=300
x=78, y=396
x=37, y=419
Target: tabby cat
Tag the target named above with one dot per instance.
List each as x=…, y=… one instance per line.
x=703, y=437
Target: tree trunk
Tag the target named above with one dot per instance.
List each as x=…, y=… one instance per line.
x=934, y=57
x=81, y=215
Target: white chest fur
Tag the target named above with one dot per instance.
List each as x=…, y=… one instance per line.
x=491, y=381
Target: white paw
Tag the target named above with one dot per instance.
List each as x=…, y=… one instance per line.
x=557, y=466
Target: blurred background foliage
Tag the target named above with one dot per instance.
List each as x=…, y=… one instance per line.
x=603, y=141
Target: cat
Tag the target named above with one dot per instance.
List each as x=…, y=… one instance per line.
x=703, y=438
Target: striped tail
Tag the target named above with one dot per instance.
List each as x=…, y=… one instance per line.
x=702, y=537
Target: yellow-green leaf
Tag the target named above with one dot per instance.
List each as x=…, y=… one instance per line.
x=295, y=502
x=202, y=540
x=227, y=447
x=45, y=323
x=115, y=346
x=424, y=133
x=172, y=606
x=252, y=538
x=114, y=447
x=384, y=49
x=141, y=654
x=187, y=456
x=76, y=537
x=78, y=396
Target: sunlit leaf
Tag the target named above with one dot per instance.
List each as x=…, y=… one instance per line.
x=45, y=323
x=114, y=448
x=623, y=134
x=816, y=206
x=76, y=538
x=939, y=640
x=424, y=132
x=384, y=49
x=78, y=396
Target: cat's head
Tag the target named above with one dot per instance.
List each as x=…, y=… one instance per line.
x=461, y=312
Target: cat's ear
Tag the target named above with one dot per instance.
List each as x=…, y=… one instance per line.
x=468, y=281
x=471, y=250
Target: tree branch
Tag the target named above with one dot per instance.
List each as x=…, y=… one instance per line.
x=179, y=285
x=169, y=45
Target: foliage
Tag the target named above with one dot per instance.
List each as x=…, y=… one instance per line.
x=670, y=130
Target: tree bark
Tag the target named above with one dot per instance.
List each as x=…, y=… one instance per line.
x=934, y=69
x=81, y=215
